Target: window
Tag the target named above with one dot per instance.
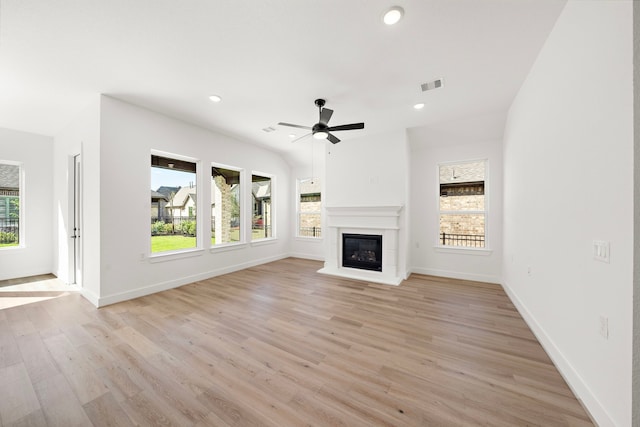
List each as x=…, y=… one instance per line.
x=173, y=204
x=225, y=209
x=309, y=208
x=10, y=201
x=462, y=204
x=262, y=219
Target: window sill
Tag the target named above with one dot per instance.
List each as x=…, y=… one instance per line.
x=462, y=250
x=14, y=248
x=170, y=256
x=227, y=247
x=265, y=241
x=309, y=239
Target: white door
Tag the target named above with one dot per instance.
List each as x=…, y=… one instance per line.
x=77, y=221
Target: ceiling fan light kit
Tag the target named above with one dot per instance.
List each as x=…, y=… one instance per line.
x=322, y=130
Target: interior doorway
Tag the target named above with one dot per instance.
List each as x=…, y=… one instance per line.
x=76, y=222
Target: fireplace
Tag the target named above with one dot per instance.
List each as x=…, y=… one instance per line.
x=370, y=225
x=362, y=251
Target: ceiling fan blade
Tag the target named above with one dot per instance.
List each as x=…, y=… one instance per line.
x=347, y=127
x=301, y=137
x=325, y=115
x=333, y=139
x=294, y=126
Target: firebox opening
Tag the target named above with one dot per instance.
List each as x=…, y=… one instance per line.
x=362, y=251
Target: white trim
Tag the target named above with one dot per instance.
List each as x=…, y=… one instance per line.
x=22, y=226
x=462, y=250
x=264, y=241
x=487, y=278
x=594, y=408
x=299, y=212
x=272, y=209
x=173, y=255
x=224, y=247
x=485, y=212
x=90, y=296
x=243, y=233
x=309, y=239
x=171, y=284
x=313, y=257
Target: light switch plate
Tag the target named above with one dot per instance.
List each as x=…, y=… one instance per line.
x=601, y=251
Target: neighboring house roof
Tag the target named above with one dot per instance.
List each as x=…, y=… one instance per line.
x=261, y=189
x=9, y=176
x=155, y=196
x=166, y=191
x=181, y=197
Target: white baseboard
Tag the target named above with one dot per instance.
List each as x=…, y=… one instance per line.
x=313, y=257
x=573, y=379
x=456, y=275
x=164, y=286
x=90, y=296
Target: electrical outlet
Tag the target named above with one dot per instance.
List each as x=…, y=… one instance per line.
x=604, y=327
x=601, y=250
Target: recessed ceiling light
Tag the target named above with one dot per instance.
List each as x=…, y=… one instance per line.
x=393, y=15
x=419, y=106
x=215, y=98
x=292, y=135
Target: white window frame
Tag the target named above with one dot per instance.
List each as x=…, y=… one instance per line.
x=188, y=252
x=453, y=249
x=273, y=210
x=243, y=232
x=299, y=181
x=22, y=209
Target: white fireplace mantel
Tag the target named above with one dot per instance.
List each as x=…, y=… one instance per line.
x=377, y=220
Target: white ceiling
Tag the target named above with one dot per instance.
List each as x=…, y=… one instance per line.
x=268, y=59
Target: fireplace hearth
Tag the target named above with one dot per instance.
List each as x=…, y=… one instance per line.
x=363, y=251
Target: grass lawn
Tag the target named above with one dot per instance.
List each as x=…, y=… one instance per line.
x=6, y=245
x=177, y=242
x=171, y=243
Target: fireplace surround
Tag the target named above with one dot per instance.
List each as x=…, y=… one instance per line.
x=383, y=221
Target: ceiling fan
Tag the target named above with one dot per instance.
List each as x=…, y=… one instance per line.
x=321, y=130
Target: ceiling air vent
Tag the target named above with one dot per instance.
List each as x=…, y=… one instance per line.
x=435, y=84
x=269, y=129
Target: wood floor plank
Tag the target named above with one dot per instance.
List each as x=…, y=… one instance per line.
x=277, y=345
x=18, y=398
x=59, y=404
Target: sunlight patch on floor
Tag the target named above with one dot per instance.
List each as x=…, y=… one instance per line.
x=16, y=292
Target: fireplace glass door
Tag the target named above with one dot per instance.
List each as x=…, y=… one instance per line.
x=362, y=251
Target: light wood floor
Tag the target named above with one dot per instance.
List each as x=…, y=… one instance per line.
x=280, y=345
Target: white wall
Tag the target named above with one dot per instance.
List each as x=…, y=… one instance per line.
x=371, y=171
x=128, y=134
x=471, y=138
x=35, y=254
x=81, y=136
x=568, y=156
